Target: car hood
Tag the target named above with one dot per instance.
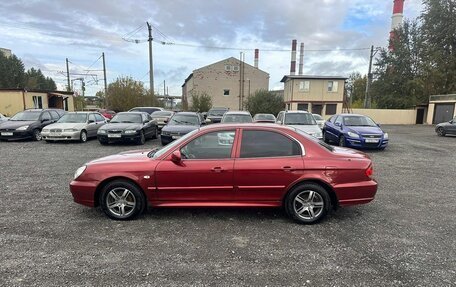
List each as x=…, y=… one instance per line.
x=66, y=126
x=128, y=156
x=179, y=128
x=444, y=124
x=15, y=124
x=121, y=126
x=310, y=129
x=348, y=152
x=365, y=130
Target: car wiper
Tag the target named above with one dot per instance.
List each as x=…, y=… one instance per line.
x=153, y=151
x=127, y=122
x=113, y=122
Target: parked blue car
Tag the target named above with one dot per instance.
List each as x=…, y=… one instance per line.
x=356, y=131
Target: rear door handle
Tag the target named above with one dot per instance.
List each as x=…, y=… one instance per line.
x=217, y=169
x=287, y=168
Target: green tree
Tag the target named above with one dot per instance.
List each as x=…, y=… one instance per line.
x=100, y=99
x=34, y=79
x=11, y=72
x=201, y=102
x=356, y=89
x=264, y=101
x=79, y=103
x=124, y=94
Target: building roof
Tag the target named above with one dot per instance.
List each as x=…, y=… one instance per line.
x=187, y=79
x=37, y=91
x=311, y=77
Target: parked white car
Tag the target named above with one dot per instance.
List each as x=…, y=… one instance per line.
x=237, y=117
x=301, y=120
x=320, y=120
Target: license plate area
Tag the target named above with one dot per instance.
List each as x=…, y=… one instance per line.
x=372, y=140
x=7, y=134
x=175, y=137
x=114, y=135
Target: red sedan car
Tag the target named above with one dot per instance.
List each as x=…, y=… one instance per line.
x=227, y=165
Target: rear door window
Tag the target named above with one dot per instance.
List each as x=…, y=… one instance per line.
x=267, y=144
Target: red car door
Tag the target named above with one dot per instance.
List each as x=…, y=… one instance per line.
x=205, y=172
x=267, y=163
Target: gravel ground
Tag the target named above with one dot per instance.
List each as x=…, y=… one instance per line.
x=405, y=237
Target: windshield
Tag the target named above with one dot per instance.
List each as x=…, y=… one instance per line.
x=265, y=117
x=237, y=119
x=216, y=113
x=73, y=118
x=126, y=118
x=155, y=153
x=186, y=120
x=317, y=117
x=299, y=119
x=359, y=121
x=161, y=114
x=26, y=116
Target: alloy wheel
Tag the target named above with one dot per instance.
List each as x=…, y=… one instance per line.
x=83, y=136
x=308, y=204
x=37, y=135
x=121, y=202
x=441, y=131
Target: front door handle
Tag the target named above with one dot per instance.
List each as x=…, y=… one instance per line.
x=287, y=168
x=217, y=169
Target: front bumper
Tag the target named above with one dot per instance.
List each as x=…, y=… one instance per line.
x=122, y=138
x=362, y=144
x=83, y=192
x=63, y=136
x=15, y=135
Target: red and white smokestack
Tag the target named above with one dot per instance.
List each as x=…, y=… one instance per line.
x=255, y=62
x=293, y=57
x=301, y=58
x=396, y=19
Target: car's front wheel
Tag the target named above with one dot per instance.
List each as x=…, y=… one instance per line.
x=142, y=138
x=342, y=141
x=155, y=136
x=441, y=132
x=122, y=200
x=83, y=137
x=308, y=203
x=325, y=139
x=37, y=135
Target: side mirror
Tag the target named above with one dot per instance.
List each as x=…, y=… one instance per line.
x=145, y=122
x=338, y=124
x=451, y=122
x=45, y=120
x=378, y=125
x=176, y=157
x=91, y=121
x=279, y=122
x=208, y=121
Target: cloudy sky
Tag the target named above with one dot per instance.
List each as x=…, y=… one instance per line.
x=44, y=33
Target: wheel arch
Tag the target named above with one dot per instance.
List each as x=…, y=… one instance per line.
x=106, y=181
x=325, y=185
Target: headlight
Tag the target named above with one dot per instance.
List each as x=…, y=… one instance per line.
x=23, y=128
x=102, y=132
x=45, y=130
x=353, y=135
x=129, y=132
x=385, y=136
x=79, y=171
x=70, y=130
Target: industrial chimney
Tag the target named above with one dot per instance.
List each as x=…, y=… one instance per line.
x=301, y=58
x=293, y=57
x=396, y=19
x=255, y=62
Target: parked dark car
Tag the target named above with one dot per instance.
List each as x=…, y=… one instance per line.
x=264, y=118
x=162, y=118
x=29, y=123
x=216, y=114
x=446, y=128
x=134, y=127
x=148, y=110
x=265, y=165
x=357, y=131
x=179, y=125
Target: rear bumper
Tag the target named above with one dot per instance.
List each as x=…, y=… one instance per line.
x=356, y=193
x=83, y=192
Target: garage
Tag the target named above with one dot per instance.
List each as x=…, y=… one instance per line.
x=442, y=108
x=443, y=113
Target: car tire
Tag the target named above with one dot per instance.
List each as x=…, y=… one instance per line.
x=342, y=141
x=37, y=135
x=155, y=136
x=324, y=136
x=122, y=200
x=142, y=138
x=441, y=132
x=83, y=136
x=308, y=203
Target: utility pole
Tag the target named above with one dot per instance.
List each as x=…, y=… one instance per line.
x=367, y=99
x=240, y=81
x=105, y=81
x=68, y=76
x=151, y=63
x=164, y=87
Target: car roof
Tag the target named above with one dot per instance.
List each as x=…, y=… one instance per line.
x=247, y=125
x=297, y=111
x=136, y=113
x=187, y=113
x=358, y=115
x=237, y=113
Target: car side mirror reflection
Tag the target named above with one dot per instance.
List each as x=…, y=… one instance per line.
x=91, y=121
x=279, y=122
x=176, y=157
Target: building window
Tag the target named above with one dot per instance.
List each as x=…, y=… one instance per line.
x=332, y=86
x=227, y=68
x=226, y=92
x=235, y=68
x=331, y=109
x=37, y=102
x=304, y=86
x=303, y=107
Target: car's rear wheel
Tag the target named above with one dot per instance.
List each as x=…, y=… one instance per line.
x=441, y=132
x=83, y=136
x=142, y=138
x=308, y=203
x=37, y=135
x=342, y=141
x=122, y=200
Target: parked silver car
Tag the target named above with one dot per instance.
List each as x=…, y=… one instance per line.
x=74, y=126
x=300, y=120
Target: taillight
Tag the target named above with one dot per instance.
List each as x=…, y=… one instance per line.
x=370, y=171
